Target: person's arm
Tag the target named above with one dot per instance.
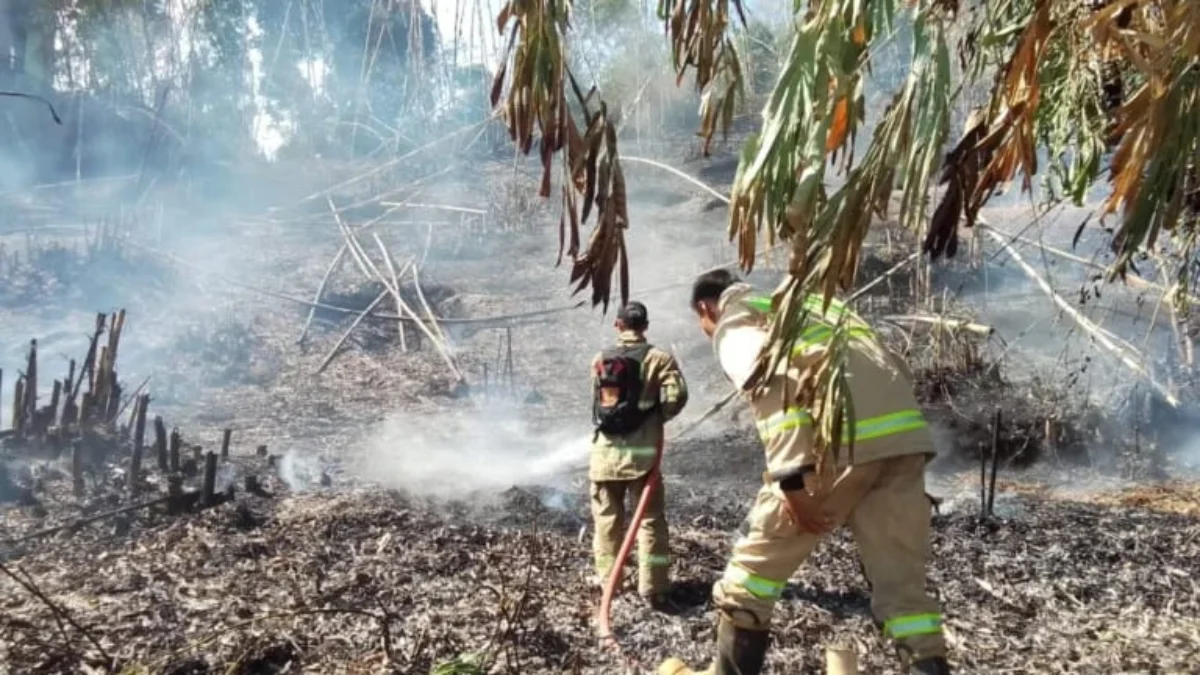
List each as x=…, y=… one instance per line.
x=672, y=388
x=737, y=352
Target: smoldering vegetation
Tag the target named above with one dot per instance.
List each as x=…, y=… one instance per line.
x=343, y=308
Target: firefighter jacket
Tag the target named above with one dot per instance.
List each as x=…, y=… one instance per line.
x=664, y=392
x=888, y=421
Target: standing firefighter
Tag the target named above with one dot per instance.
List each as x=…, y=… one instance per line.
x=638, y=387
x=881, y=496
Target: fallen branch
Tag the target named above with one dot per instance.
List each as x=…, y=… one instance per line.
x=428, y=311
x=499, y=319
x=76, y=524
x=333, y=352
x=320, y=292
x=356, y=253
x=353, y=242
x=396, y=282
x=436, y=207
x=694, y=181
x=1135, y=281
x=1085, y=323
x=60, y=614
x=952, y=324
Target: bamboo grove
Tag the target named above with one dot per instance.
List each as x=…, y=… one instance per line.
x=1104, y=91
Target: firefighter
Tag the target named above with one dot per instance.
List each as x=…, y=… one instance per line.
x=637, y=388
x=881, y=496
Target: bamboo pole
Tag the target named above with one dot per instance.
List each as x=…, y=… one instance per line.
x=1085, y=323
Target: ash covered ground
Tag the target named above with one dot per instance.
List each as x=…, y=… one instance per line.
x=404, y=522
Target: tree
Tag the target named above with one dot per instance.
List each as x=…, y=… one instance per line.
x=1102, y=88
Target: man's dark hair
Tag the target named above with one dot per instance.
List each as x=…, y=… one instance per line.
x=710, y=285
x=634, y=316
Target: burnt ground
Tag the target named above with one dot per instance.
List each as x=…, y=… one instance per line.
x=388, y=548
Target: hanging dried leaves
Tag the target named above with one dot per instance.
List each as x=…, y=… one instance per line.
x=536, y=71
x=1058, y=64
x=992, y=150
x=696, y=30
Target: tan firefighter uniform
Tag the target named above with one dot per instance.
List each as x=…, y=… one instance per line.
x=619, y=468
x=881, y=498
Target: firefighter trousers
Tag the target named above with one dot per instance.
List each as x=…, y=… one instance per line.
x=884, y=504
x=613, y=504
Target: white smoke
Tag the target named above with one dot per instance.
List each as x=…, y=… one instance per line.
x=480, y=449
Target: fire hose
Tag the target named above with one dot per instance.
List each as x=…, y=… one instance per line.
x=653, y=481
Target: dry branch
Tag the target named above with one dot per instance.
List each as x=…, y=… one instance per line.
x=665, y=167
x=357, y=320
x=436, y=207
x=1085, y=323
x=395, y=282
x=320, y=292
x=952, y=324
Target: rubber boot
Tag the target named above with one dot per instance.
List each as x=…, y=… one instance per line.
x=740, y=651
x=934, y=665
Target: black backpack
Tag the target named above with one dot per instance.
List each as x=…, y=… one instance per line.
x=615, y=410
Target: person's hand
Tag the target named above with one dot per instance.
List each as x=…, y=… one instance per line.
x=807, y=512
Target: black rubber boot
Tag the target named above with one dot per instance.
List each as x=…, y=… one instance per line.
x=740, y=651
x=935, y=665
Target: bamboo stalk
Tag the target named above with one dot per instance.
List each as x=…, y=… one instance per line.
x=953, y=324
x=312, y=310
x=1085, y=323
x=357, y=320
x=420, y=324
x=387, y=260
x=436, y=207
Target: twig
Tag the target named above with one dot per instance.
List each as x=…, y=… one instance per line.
x=1099, y=334
x=694, y=181
x=333, y=352
x=320, y=292
x=429, y=312
x=436, y=207
x=1132, y=280
x=60, y=614
x=356, y=253
x=390, y=163
x=75, y=524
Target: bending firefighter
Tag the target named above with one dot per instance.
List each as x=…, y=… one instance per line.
x=637, y=388
x=881, y=496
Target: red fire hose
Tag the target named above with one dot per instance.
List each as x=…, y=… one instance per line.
x=653, y=479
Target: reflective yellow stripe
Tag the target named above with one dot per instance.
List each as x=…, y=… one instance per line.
x=656, y=560
x=886, y=425
x=864, y=430
x=790, y=418
x=901, y=627
x=760, y=587
x=818, y=334
x=630, y=450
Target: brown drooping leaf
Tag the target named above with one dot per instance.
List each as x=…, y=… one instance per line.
x=961, y=201
x=696, y=32
x=536, y=108
x=992, y=150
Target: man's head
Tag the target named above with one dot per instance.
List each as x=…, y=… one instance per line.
x=634, y=317
x=706, y=297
